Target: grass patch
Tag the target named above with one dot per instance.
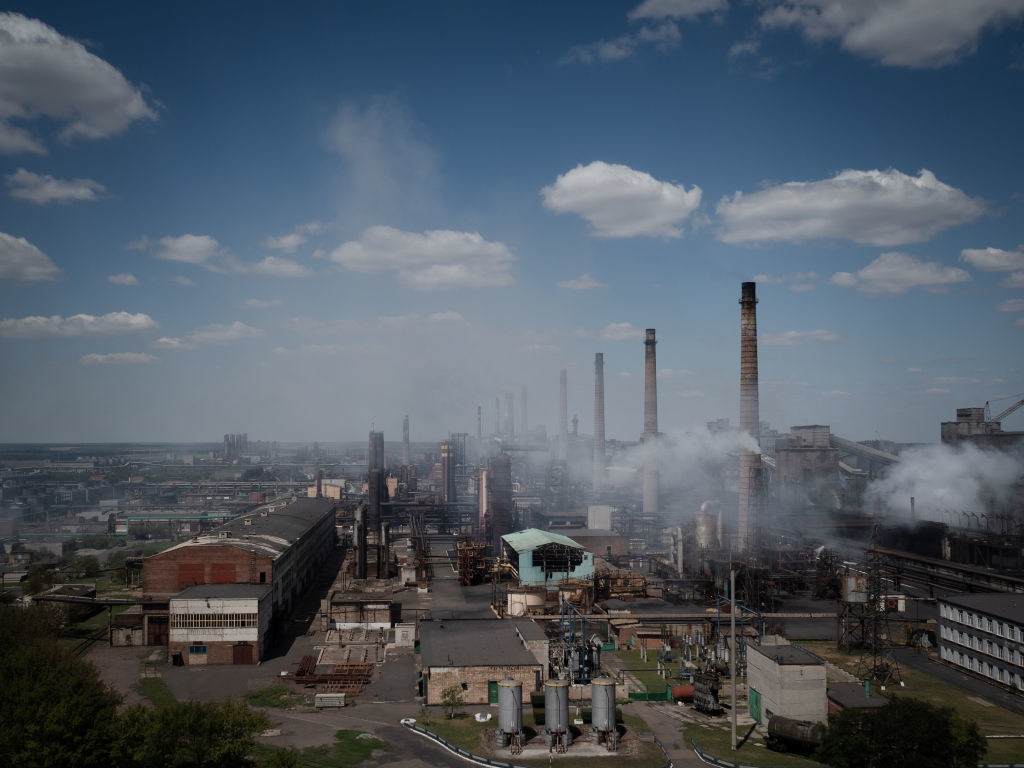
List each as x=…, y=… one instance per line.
x=992, y=720
x=647, y=671
x=718, y=742
x=274, y=696
x=156, y=690
x=350, y=748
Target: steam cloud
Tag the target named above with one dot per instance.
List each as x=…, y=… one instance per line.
x=946, y=481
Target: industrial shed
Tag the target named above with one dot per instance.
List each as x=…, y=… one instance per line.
x=542, y=557
x=283, y=549
x=475, y=654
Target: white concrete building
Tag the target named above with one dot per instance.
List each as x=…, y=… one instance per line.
x=786, y=680
x=220, y=623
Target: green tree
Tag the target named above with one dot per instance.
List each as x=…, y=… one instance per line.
x=187, y=734
x=452, y=699
x=85, y=565
x=54, y=709
x=904, y=732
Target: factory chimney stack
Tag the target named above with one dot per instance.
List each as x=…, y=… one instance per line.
x=598, y=420
x=563, y=416
x=405, y=441
x=650, y=436
x=750, y=461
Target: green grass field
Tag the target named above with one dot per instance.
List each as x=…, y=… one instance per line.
x=991, y=719
x=647, y=671
x=350, y=748
x=277, y=696
x=716, y=740
x=156, y=690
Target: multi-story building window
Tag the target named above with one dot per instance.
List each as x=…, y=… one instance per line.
x=982, y=633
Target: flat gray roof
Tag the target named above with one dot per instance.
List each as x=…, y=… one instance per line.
x=530, y=630
x=222, y=591
x=852, y=696
x=1002, y=605
x=787, y=654
x=472, y=643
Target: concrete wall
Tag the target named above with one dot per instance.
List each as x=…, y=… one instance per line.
x=477, y=679
x=531, y=575
x=797, y=691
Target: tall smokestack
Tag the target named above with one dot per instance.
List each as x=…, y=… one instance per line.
x=375, y=477
x=479, y=423
x=524, y=430
x=405, y=441
x=510, y=415
x=750, y=461
x=598, y=420
x=447, y=473
x=650, y=491
x=563, y=415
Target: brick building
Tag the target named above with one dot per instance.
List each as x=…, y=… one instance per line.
x=475, y=654
x=220, y=623
x=283, y=550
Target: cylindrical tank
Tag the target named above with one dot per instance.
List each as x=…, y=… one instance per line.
x=796, y=735
x=705, y=530
x=602, y=703
x=682, y=692
x=556, y=706
x=510, y=706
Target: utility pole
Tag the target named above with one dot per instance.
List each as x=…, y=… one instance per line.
x=732, y=649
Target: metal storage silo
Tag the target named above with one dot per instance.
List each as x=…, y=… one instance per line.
x=556, y=714
x=602, y=712
x=509, y=709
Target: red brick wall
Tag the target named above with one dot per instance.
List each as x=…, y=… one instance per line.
x=166, y=574
x=216, y=653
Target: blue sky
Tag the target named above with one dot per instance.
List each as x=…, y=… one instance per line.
x=300, y=221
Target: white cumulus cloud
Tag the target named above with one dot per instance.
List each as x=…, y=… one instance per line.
x=619, y=201
x=43, y=188
x=46, y=76
x=182, y=280
x=661, y=36
x=20, y=260
x=898, y=273
x=1011, y=305
x=217, y=333
x=676, y=9
x=261, y=303
x=280, y=267
x=620, y=332
x=873, y=207
x=994, y=259
x=57, y=327
x=793, y=338
x=123, y=278
x=581, y=283
x=1016, y=280
x=119, y=358
x=902, y=33
x=434, y=260
x=188, y=249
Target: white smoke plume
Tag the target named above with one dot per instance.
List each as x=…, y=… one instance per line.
x=947, y=482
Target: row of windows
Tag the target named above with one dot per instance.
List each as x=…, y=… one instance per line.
x=984, y=623
x=993, y=671
x=980, y=644
x=207, y=620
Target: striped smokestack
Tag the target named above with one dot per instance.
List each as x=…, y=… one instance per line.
x=650, y=493
x=598, y=420
x=750, y=461
x=563, y=416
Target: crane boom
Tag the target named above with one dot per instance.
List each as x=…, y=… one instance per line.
x=1009, y=410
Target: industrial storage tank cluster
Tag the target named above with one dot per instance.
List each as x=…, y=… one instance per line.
x=602, y=712
x=557, y=733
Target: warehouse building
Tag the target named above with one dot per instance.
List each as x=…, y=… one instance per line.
x=542, y=557
x=474, y=654
x=281, y=550
x=786, y=680
x=219, y=624
x=984, y=634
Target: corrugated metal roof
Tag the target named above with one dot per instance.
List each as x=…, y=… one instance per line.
x=472, y=643
x=269, y=534
x=531, y=538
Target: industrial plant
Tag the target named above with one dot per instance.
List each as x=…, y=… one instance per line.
x=551, y=579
